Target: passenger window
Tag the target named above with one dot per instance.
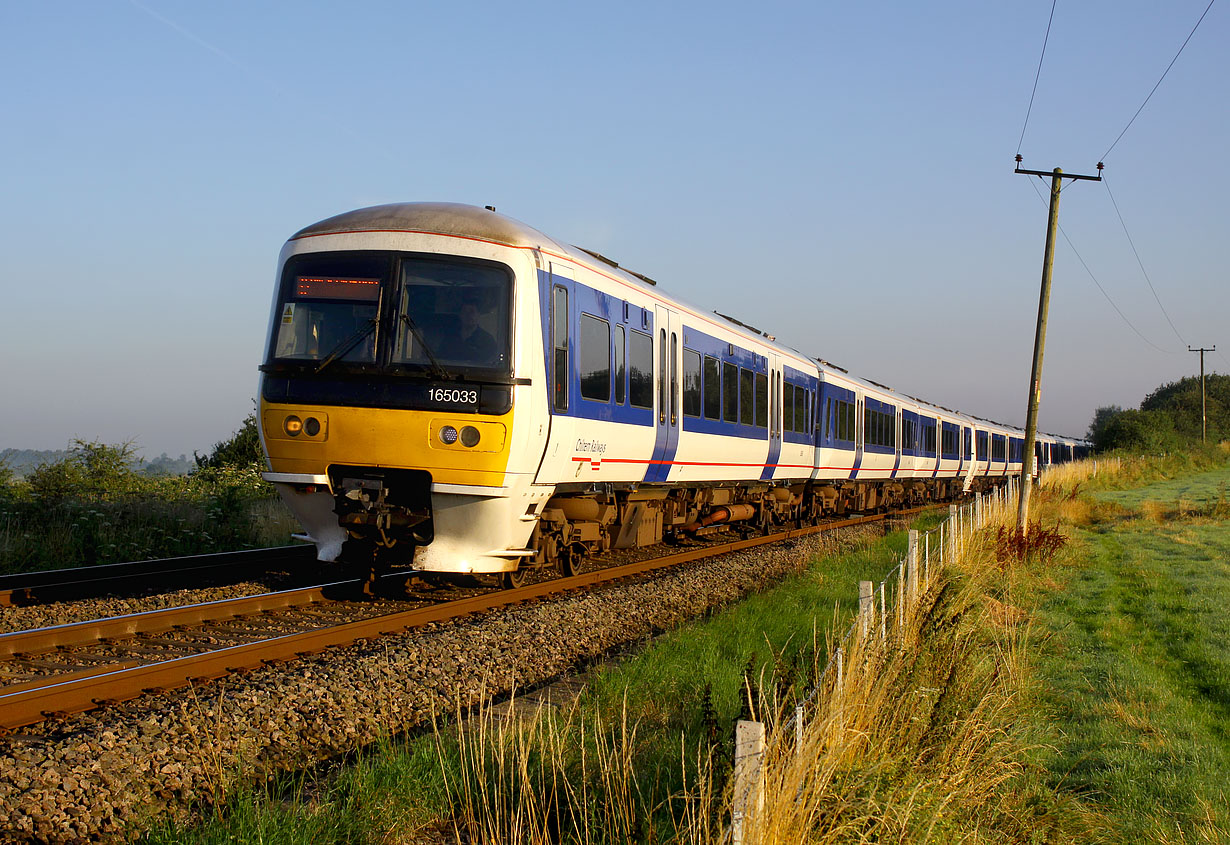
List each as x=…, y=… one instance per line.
x=595, y=359
x=730, y=389
x=559, y=335
x=662, y=376
x=691, y=383
x=800, y=410
x=713, y=389
x=620, y=373
x=747, y=397
x=762, y=400
x=788, y=407
x=640, y=370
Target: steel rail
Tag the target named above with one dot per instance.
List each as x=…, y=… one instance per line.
x=43, y=640
x=63, y=697
x=29, y=588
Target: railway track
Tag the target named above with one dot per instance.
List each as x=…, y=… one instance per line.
x=66, y=669
x=26, y=589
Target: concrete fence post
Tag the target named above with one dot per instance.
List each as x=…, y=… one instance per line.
x=900, y=600
x=866, y=608
x=926, y=561
x=749, y=780
x=954, y=529
x=912, y=567
x=883, y=614
x=798, y=729
x=841, y=673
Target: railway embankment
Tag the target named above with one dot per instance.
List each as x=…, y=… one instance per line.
x=1077, y=696
x=100, y=773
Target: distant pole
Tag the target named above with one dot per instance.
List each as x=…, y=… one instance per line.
x=1044, y=301
x=1203, y=424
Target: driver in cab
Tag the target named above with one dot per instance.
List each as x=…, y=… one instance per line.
x=472, y=343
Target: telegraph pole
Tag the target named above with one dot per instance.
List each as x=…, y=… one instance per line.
x=1203, y=424
x=1044, y=302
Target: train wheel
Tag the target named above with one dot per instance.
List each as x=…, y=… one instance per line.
x=566, y=563
x=514, y=579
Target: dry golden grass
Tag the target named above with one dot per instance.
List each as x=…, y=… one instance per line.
x=913, y=741
x=1154, y=511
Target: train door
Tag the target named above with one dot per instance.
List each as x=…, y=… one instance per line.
x=559, y=341
x=858, y=434
x=668, y=346
x=775, y=416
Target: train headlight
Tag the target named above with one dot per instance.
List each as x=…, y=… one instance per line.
x=469, y=436
x=292, y=425
x=312, y=427
x=448, y=435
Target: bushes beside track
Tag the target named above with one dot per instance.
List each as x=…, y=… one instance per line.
x=94, y=507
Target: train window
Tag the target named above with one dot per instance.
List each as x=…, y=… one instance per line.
x=828, y=417
x=747, y=397
x=662, y=376
x=730, y=390
x=595, y=358
x=621, y=379
x=674, y=383
x=559, y=335
x=640, y=370
x=762, y=400
x=691, y=383
x=713, y=388
x=800, y=410
x=453, y=316
x=788, y=407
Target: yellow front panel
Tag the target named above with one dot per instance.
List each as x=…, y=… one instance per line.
x=389, y=438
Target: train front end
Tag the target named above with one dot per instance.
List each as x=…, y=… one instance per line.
x=397, y=389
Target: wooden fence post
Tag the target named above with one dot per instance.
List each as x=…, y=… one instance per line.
x=749, y=781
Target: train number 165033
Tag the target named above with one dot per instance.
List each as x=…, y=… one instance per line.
x=453, y=395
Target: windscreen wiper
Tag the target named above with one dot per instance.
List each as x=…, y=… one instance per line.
x=346, y=345
x=437, y=370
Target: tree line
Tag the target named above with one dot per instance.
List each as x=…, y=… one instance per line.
x=1168, y=418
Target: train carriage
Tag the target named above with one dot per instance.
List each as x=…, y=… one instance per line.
x=447, y=388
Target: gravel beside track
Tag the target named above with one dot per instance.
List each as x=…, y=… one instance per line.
x=62, y=613
x=96, y=775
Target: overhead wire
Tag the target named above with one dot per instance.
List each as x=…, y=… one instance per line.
x=1159, y=82
x=1143, y=271
x=1118, y=311
x=1037, y=75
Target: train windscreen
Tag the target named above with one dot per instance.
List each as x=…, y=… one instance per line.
x=392, y=312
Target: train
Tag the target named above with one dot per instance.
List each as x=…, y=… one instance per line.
x=448, y=389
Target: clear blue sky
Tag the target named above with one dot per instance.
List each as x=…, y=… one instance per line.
x=839, y=175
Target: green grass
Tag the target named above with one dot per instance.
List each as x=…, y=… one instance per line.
x=663, y=685
x=1200, y=488
x=1134, y=673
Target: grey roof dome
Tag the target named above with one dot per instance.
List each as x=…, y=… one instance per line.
x=445, y=218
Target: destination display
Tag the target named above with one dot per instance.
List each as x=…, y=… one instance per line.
x=327, y=287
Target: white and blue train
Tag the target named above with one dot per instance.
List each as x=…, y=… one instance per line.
x=448, y=388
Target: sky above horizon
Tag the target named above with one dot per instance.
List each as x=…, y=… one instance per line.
x=841, y=177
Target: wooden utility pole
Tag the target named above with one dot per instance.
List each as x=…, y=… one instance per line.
x=1044, y=302
x=1203, y=423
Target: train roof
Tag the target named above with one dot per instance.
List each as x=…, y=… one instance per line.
x=439, y=218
